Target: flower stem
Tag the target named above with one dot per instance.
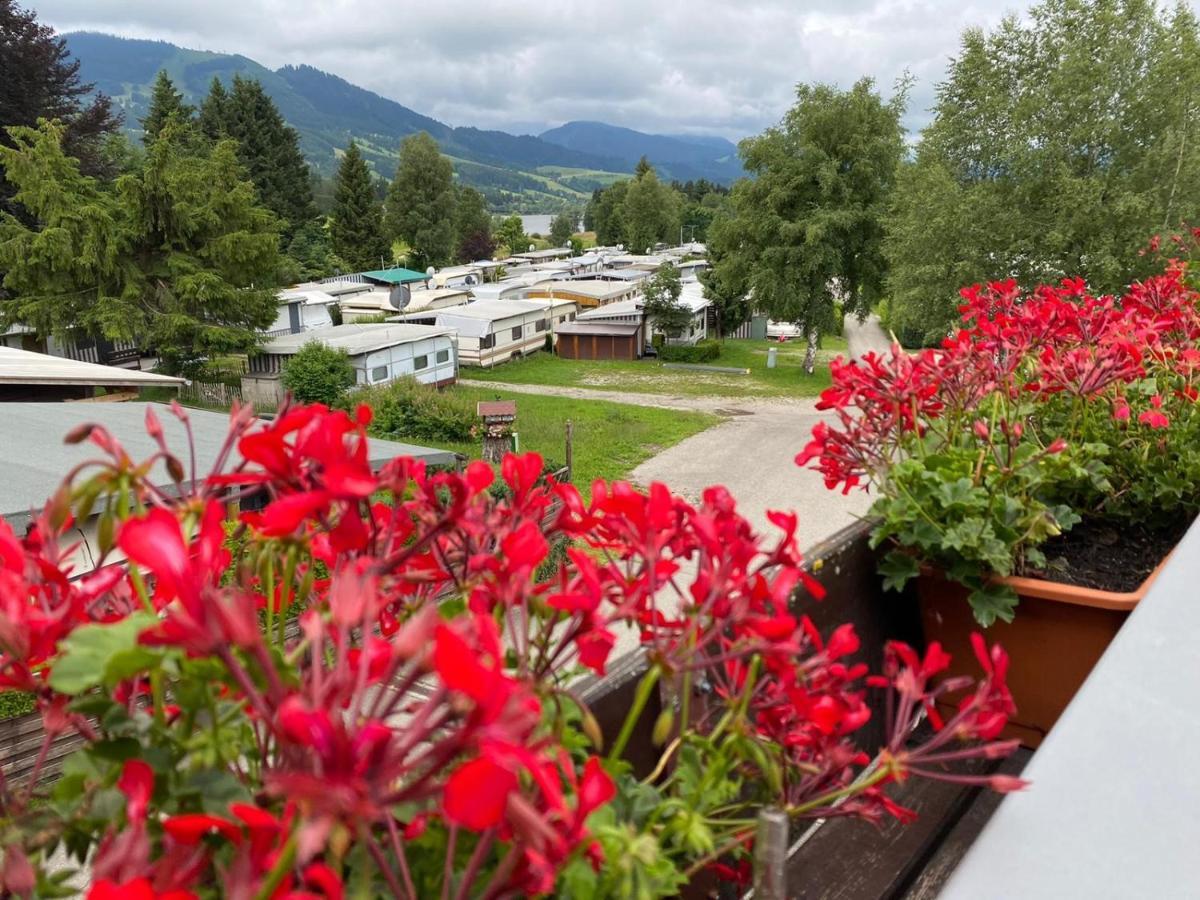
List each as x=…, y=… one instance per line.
x=640, y=698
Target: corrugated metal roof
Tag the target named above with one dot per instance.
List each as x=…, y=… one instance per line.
x=356, y=339
x=398, y=275
x=27, y=367
x=35, y=459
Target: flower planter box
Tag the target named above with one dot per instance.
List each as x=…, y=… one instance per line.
x=1059, y=633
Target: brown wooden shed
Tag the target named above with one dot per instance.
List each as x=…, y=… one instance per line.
x=599, y=340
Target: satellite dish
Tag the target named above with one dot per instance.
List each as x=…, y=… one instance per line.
x=531, y=248
x=431, y=271
x=471, y=280
x=649, y=250
x=621, y=247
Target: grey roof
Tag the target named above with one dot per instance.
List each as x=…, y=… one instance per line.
x=620, y=329
x=34, y=458
x=27, y=367
x=355, y=339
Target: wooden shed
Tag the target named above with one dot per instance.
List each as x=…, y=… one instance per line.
x=600, y=340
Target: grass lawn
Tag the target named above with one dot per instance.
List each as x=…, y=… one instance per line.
x=649, y=376
x=611, y=439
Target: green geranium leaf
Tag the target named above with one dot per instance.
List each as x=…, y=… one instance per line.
x=897, y=569
x=991, y=602
x=96, y=654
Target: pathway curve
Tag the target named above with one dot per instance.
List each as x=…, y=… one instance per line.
x=865, y=336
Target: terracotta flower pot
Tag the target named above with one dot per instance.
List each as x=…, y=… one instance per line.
x=1057, y=636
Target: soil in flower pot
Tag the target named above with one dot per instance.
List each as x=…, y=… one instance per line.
x=1064, y=621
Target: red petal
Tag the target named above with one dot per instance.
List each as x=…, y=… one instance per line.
x=477, y=793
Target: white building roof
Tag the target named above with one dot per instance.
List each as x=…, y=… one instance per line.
x=309, y=297
x=595, y=288
x=27, y=367
x=356, y=339
x=476, y=318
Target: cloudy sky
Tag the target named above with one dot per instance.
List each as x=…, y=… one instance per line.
x=658, y=65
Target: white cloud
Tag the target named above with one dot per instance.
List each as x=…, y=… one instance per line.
x=665, y=66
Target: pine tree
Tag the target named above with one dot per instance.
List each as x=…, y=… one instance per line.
x=420, y=202
x=356, y=225
x=650, y=210
x=165, y=102
x=178, y=256
x=270, y=151
x=562, y=227
x=214, y=111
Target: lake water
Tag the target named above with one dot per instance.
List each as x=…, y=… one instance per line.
x=536, y=224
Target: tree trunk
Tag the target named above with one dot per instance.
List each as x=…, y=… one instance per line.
x=810, y=354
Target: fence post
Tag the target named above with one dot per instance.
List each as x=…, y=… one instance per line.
x=570, y=451
x=770, y=855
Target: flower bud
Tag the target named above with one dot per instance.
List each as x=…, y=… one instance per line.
x=981, y=429
x=1006, y=784
x=662, y=727
x=591, y=728
x=79, y=433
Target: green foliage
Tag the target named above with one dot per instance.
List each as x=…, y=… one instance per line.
x=973, y=508
x=562, y=227
x=408, y=410
x=472, y=226
x=177, y=256
x=102, y=654
x=311, y=254
x=267, y=147
x=318, y=374
x=1060, y=142
x=607, y=214
x=166, y=103
x=356, y=224
x=511, y=234
x=420, y=203
x=662, y=308
x=808, y=226
x=214, y=111
x=16, y=703
x=650, y=211
x=700, y=352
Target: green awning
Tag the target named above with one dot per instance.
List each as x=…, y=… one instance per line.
x=397, y=275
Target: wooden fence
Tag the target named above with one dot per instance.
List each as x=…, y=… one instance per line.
x=204, y=393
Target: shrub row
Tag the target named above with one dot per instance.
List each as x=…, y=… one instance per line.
x=408, y=409
x=702, y=352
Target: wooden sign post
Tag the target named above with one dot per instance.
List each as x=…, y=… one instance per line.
x=498, y=418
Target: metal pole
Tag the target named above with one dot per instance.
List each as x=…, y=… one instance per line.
x=770, y=855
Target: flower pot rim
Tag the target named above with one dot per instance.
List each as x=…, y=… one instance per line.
x=1061, y=592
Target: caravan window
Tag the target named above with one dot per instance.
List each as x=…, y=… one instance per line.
x=379, y=373
x=517, y=332
x=487, y=342
x=420, y=362
x=541, y=325
x=443, y=356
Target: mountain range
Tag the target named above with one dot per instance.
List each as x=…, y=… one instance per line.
x=523, y=173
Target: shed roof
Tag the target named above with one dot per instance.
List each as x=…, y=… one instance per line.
x=619, y=329
x=356, y=339
x=398, y=275
x=26, y=367
x=493, y=310
x=35, y=459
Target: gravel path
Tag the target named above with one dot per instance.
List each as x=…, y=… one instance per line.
x=866, y=336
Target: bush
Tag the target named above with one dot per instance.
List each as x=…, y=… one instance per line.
x=408, y=409
x=318, y=374
x=702, y=352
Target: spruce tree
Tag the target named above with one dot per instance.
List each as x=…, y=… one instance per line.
x=420, y=202
x=270, y=151
x=214, y=111
x=179, y=256
x=165, y=101
x=356, y=225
